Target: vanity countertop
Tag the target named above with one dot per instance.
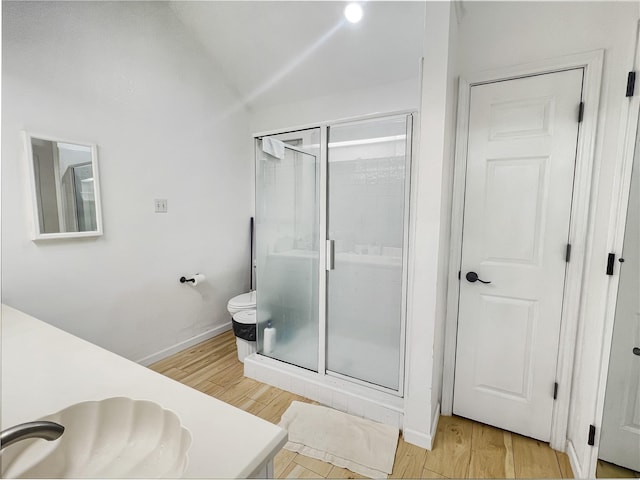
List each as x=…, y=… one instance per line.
x=45, y=369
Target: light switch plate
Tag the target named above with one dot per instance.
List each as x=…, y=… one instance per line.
x=161, y=205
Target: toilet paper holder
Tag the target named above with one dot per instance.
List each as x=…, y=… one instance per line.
x=194, y=279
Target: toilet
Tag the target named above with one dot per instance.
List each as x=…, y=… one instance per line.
x=242, y=309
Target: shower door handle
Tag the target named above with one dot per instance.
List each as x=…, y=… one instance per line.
x=331, y=257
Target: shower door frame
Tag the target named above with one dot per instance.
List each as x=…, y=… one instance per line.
x=324, y=237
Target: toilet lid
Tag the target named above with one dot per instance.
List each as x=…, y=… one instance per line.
x=244, y=300
x=248, y=317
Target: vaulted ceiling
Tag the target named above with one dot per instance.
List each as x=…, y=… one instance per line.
x=284, y=51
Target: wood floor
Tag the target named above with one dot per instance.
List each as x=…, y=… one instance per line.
x=609, y=470
x=462, y=448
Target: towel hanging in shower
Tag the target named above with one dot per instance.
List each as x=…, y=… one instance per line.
x=273, y=147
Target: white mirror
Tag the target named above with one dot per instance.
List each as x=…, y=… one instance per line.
x=65, y=189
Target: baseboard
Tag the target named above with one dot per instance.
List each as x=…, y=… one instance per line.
x=573, y=460
x=167, y=352
x=434, y=424
x=420, y=439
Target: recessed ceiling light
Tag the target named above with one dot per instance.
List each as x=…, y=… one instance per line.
x=353, y=12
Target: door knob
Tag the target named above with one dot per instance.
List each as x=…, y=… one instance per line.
x=636, y=351
x=473, y=277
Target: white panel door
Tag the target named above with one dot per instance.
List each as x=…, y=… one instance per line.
x=620, y=437
x=519, y=183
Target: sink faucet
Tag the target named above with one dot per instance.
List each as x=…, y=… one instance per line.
x=46, y=430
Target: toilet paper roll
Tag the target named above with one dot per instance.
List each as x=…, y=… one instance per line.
x=197, y=278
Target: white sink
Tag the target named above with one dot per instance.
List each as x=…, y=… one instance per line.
x=112, y=438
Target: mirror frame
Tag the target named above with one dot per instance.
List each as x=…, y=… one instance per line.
x=35, y=218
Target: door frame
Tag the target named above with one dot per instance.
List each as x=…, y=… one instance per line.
x=592, y=63
x=630, y=132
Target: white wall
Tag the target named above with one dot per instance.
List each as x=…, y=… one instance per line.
x=446, y=186
x=386, y=98
x=431, y=226
x=128, y=77
x=499, y=34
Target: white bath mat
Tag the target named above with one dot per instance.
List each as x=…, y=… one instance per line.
x=362, y=446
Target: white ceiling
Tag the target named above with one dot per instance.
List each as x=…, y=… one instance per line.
x=283, y=51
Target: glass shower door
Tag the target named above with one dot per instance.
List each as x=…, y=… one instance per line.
x=287, y=253
x=368, y=184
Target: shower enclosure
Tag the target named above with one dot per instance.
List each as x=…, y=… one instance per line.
x=331, y=249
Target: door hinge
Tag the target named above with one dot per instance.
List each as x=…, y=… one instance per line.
x=592, y=435
x=631, y=84
x=567, y=254
x=611, y=258
x=555, y=391
x=580, y=112
x=459, y=273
